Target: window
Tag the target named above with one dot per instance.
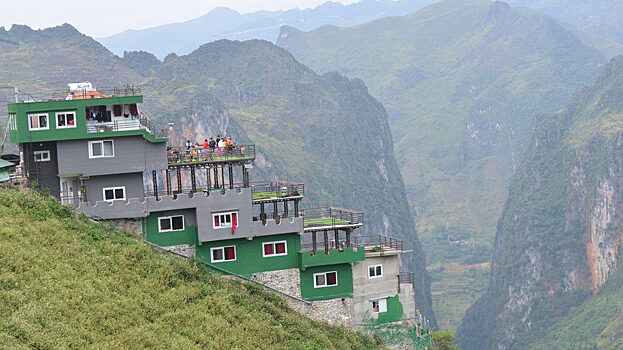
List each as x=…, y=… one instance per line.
x=223, y=254
x=42, y=156
x=171, y=223
x=275, y=248
x=375, y=271
x=225, y=220
x=379, y=305
x=38, y=122
x=325, y=279
x=65, y=120
x=99, y=149
x=114, y=193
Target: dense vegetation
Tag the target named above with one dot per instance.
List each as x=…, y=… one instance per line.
x=462, y=82
x=559, y=236
x=66, y=282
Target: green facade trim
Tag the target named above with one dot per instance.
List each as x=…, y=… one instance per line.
x=333, y=257
x=151, y=233
x=22, y=134
x=249, y=254
x=394, y=311
x=344, y=288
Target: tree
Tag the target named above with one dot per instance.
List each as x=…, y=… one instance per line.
x=443, y=340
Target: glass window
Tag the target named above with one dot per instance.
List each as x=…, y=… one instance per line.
x=114, y=193
x=223, y=254
x=375, y=271
x=38, y=122
x=98, y=149
x=165, y=224
x=325, y=279
x=66, y=120
x=379, y=305
x=41, y=156
x=225, y=220
x=177, y=222
x=275, y=248
x=171, y=223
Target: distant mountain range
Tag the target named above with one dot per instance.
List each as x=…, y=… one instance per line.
x=462, y=81
x=225, y=23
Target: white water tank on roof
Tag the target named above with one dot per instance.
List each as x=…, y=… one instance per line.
x=84, y=86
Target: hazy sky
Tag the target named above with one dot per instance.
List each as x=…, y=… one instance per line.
x=99, y=18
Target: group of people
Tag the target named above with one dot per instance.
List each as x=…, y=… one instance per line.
x=219, y=146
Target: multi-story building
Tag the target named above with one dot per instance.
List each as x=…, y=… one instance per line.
x=96, y=151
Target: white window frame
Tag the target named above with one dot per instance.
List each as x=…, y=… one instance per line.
x=223, y=249
x=91, y=156
x=43, y=159
x=325, y=279
x=229, y=224
x=66, y=126
x=382, y=305
x=47, y=123
x=375, y=275
x=170, y=218
x=113, y=191
x=274, y=244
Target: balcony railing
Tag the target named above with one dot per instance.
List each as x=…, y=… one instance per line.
x=184, y=155
x=117, y=91
x=405, y=277
x=379, y=243
x=271, y=190
x=131, y=124
x=329, y=218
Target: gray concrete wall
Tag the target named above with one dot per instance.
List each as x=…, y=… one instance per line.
x=133, y=183
x=366, y=289
x=131, y=154
x=48, y=170
x=205, y=205
x=190, y=217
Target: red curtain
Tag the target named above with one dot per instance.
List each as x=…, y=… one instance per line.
x=133, y=110
x=117, y=110
x=234, y=222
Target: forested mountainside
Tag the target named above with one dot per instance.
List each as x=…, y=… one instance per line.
x=70, y=283
x=461, y=81
x=323, y=130
x=326, y=131
x=556, y=277
x=225, y=23
x=602, y=17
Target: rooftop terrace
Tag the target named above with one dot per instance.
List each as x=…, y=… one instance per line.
x=183, y=156
x=330, y=218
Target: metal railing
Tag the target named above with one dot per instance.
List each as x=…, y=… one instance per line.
x=378, y=243
x=266, y=190
x=331, y=244
x=405, y=277
x=184, y=155
x=330, y=217
x=117, y=125
x=117, y=91
x=73, y=198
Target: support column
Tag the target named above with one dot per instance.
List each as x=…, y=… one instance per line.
x=216, y=176
x=326, y=242
x=155, y=182
x=231, y=177
x=223, y=177
x=337, y=239
x=262, y=213
x=348, y=230
x=208, y=180
x=296, y=208
x=285, y=209
x=275, y=210
x=193, y=179
x=168, y=182
x=314, y=243
x=245, y=176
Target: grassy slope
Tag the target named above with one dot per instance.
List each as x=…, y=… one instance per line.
x=66, y=282
x=462, y=81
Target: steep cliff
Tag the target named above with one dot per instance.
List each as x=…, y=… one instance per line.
x=559, y=235
x=323, y=130
x=461, y=81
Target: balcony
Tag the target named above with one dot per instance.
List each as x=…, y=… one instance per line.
x=271, y=191
x=377, y=245
x=182, y=156
x=329, y=218
x=142, y=123
x=405, y=280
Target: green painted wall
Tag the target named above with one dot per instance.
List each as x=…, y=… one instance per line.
x=23, y=134
x=394, y=311
x=344, y=288
x=163, y=239
x=249, y=254
x=335, y=256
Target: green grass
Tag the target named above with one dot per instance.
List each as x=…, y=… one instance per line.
x=66, y=282
x=324, y=222
x=266, y=195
